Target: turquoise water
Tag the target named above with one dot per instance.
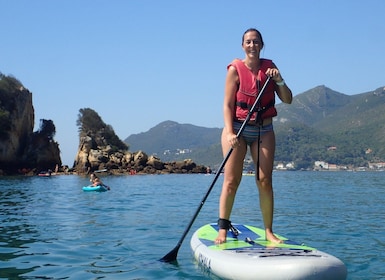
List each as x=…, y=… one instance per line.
x=51, y=229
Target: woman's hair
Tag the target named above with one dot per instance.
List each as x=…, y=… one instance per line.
x=253, y=30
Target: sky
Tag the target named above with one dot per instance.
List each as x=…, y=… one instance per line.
x=138, y=63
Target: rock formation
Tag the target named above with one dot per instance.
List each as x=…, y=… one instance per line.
x=100, y=149
x=20, y=147
x=125, y=162
x=23, y=151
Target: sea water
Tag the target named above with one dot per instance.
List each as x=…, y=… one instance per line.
x=51, y=229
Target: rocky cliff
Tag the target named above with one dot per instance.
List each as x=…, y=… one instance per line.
x=101, y=149
x=23, y=151
x=20, y=147
x=92, y=158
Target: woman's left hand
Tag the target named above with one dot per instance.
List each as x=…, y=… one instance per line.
x=274, y=74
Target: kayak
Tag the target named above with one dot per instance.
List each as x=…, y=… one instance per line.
x=45, y=174
x=249, y=256
x=100, y=188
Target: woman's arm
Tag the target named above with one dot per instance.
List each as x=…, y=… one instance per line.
x=231, y=87
x=282, y=90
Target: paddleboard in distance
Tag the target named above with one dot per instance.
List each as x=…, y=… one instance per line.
x=249, y=256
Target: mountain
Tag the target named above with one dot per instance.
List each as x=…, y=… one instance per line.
x=312, y=106
x=329, y=111
x=171, y=141
x=320, y=124
x=354, y=125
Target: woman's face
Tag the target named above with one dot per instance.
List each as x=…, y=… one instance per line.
x=252, y=44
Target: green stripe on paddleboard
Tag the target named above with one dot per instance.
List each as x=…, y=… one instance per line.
x=209, y=233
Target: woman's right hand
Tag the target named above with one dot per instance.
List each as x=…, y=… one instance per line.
x=232, y=139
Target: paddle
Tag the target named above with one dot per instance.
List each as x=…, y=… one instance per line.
x=171, y=256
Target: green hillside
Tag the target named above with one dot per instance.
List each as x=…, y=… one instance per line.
x=320, y=124
x=354, y=125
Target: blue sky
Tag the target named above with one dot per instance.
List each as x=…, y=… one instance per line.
x=141, y=62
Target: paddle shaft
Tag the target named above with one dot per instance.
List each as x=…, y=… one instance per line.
x=171, y=256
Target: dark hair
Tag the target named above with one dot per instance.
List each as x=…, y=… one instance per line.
x=253, y=30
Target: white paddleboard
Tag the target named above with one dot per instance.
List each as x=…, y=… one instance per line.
x=250, y=256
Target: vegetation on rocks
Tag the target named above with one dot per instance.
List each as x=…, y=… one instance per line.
x=101, y=149
x=22, y=150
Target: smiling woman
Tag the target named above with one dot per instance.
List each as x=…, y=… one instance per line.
x=242, y=89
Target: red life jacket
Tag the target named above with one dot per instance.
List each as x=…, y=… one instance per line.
x=248, y=90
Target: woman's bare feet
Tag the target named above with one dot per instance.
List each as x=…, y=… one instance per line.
x=272, y=238
x=221, y=238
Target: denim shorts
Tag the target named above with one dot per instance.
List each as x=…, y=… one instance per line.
x=251, y=132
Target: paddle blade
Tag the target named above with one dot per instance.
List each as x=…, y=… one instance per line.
x=171, y=256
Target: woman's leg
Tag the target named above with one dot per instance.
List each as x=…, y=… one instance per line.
x=265, y=184
x=231, y=180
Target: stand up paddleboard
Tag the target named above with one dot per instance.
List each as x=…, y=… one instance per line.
x=249, y=256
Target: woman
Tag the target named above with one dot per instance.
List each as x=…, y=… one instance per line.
x=244, y=81
x=95, y=180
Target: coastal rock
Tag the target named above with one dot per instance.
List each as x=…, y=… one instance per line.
x=20, y=147
x=155, y=163
x=19, y=122
x=140, y=158
x=89, y=159
x=100, y=149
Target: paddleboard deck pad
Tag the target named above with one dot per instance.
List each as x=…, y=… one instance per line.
x=249, y=256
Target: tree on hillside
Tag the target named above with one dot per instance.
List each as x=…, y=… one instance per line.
x=89, y=121
x=9, y=83
x=91, y=124
x=47, y=129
